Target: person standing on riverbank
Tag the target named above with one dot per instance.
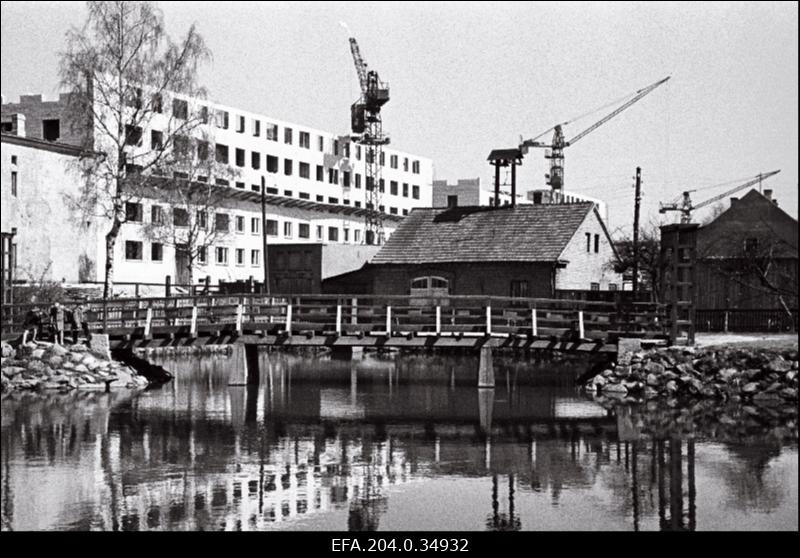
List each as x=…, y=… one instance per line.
x=57, y=319
x=79, y=321
x=32, y=325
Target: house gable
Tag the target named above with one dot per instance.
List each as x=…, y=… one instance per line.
x=583, y=265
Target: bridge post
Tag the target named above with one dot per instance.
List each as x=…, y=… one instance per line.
x=148, y=322
x=534, y=323
x=581, y=332
x=485, y=409
x=388, y=321
x=438, y=320
x=338, y=319
x=239, y=312
x=486, y=369
x=247, y=373
x=289, y=318
x=488, y=320
x=193, y=327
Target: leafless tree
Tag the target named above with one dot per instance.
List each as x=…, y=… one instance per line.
x=194, y=199
x=650, y=273
x=120, y=69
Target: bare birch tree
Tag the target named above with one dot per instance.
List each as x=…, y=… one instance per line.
x=120, y=70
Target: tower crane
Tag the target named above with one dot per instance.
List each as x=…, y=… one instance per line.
x=367, y=130
x=685, y=204
x=555, y=149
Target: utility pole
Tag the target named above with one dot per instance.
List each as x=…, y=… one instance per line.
x=637, y=201
x=264, y=234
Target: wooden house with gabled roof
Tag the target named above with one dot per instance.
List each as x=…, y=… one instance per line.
x=518, y=251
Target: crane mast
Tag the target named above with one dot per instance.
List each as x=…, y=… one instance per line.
x=367, y=130
x=554, y=151
x=685, y=205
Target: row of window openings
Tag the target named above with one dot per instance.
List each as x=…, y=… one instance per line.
x=133, y=136
x=134, y=251
x=589, y=242
x=180, y=217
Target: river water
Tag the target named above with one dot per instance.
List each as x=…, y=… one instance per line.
x=329, y=444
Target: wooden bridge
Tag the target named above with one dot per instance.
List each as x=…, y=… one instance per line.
x=365, y=321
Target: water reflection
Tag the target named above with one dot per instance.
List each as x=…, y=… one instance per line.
x=371, y=451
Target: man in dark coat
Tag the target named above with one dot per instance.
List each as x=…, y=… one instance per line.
x=79, y=321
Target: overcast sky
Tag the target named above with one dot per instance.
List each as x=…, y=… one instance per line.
x=468, y=78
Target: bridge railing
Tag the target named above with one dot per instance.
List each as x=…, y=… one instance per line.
x=373, y=314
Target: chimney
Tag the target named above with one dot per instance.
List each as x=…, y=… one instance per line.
x=768, y=194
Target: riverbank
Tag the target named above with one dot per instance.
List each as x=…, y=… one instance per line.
x=729, y=373
x=47, y=366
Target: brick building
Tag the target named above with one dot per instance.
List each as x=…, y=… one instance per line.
x=522, y=251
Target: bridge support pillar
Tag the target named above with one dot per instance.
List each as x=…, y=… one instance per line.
x=486, y=409
x=486, y=369
x=247, y=372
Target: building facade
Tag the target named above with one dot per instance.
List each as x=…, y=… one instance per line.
x=315, y=186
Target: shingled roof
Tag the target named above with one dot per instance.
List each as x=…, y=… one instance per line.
x=525, y=233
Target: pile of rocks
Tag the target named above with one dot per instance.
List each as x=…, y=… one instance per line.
x=727, y=374
x=47, y=366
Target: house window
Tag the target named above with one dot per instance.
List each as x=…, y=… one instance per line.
x=594, y=286
x=156, y=139
x=272, y=227
x=415, y=192
x=157, y=215
x=319, y=232
x=133, y=135
x=333, y=234
x=320, y=143
x=393, y=187
x=287, y=136
x=304, y=195
x=305, y=140
x=255, y=257
x=272, y=191
x=405, y=212
x=180, y=109
x=255, y=187
x=357, y=203
x=612, y=286
x=393, y=210
x=14, y=183
x=240, y=256
x=239, y=224
x=588, y=242
x=336, y=147
x=202, y=220
x=158, y=103
x=202, y=150
x=133, y=250
x=320, y=198
x=304, y=230
x=519, y=289
x=203, y=115
x=405, y=164
x=381, y=185
x=255, y=225
x=272, y=164
x=133, y=212
x=157, y=252
x=222, y=119
x=596, y=243
x=221, y=182
x=256, y=127
x=305, y=170
x=333, y=176
x=333, y=200
x=222, y=255
x=415, y=167
x=346, y=232
x=201, y=255
x=393, y=161
x=287, y=167
x=405, y=190
x=320, y=173
x=357, y=236
x=239, y=157
x=346, y=179
x=240, y=126
x=287, y=193
x=255, y=160
x=358, y=181
x=429, y=286
x=287, y=229
x=180, y=217
x=222, y=153
x=221, y=222
x=382, y=159
x=272, y=132
x=452, y=201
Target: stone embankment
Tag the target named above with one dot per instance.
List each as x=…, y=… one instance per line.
x=722, y=374
x=47, y=366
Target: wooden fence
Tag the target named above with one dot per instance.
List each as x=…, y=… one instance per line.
x=741, y=320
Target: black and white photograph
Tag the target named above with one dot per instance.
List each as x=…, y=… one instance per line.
x=398, y=276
